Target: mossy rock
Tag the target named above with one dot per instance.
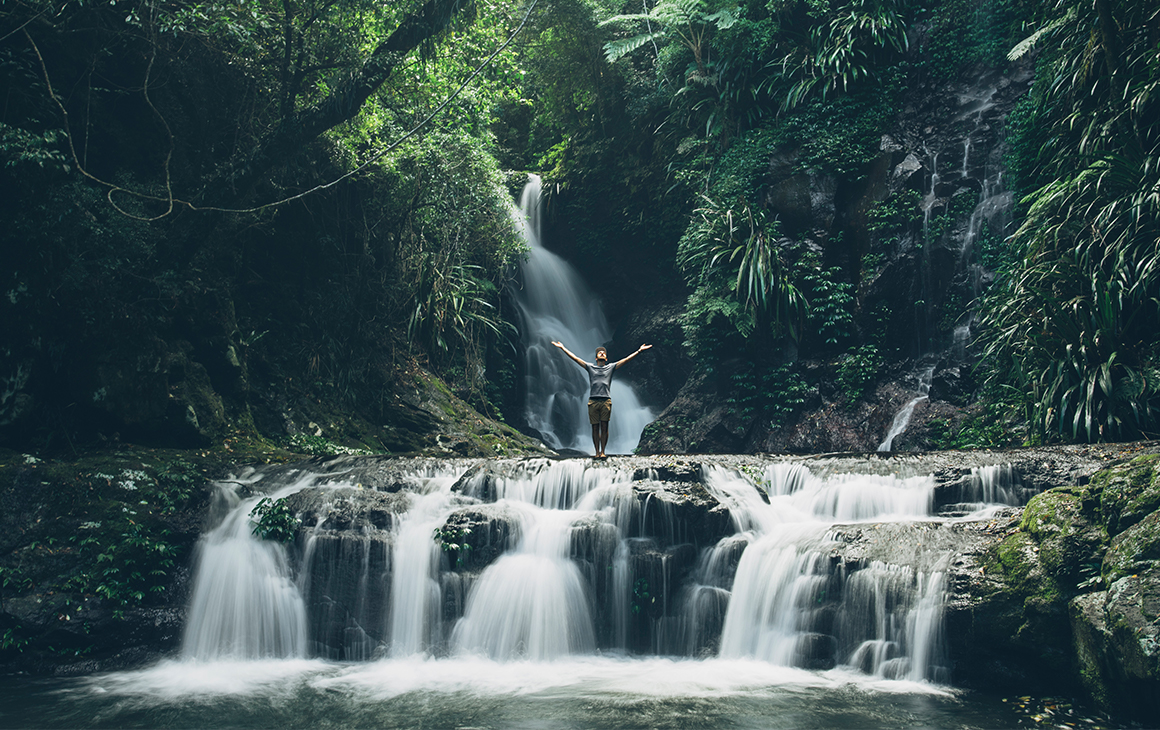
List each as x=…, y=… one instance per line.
x=1035, y=608
x=1134, y=550
x=1127, y=493
x=1069, y=543
x=1117, y=638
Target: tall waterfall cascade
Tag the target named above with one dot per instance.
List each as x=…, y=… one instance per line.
x=540, y=560
x=556, y=305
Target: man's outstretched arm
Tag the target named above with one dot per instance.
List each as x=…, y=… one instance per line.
x=570, y=354
x=639, y=350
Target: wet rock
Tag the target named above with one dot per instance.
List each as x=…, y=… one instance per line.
x=1135, y=550
x=680, y=512
x=1117, y=644
x=474, y=538
x=1126, y=495
x=1033, y=609
x=346, y=508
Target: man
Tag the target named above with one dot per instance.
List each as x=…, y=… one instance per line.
x=600, y=397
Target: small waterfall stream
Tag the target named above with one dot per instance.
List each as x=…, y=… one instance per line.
x=902, y=418
x=556, y=305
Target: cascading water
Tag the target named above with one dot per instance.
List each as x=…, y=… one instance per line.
x=528, y=586
x=244, y=605
x=792, y=605
x=556, y=305
x=902, y=418
x=585, y=547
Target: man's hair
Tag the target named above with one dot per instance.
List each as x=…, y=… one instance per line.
x=600, y=350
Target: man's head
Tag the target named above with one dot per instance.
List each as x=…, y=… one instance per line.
x=601, y=354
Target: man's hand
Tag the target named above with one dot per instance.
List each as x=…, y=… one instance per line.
x=570, y=354
x=639, y=350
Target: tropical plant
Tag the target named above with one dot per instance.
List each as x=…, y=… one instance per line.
x=689, y=21
x=738, y=241
x=272, y=519
x=857, y=370
x=1073, y=323
x=839, y=50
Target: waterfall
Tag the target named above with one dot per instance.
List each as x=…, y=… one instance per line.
x=792, y=604
x=532, y=602
x=556, y=305
x=902, y=418
x=245, y=604
x=816, y=571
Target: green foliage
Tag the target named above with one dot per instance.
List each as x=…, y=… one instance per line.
x=967, y=32
x=771, y=394
x=895, y=214
x=689, y=21
x=857, y=370
x=19, y=147
x=839, y=49
x=714, y=321
x=272, y=519
x=125, y=558
x=831, y=304
x=13, y=639
x=993, y=251
x=742, y=244
x=453, y=540
x=838, y=135
x=994, y=426
x=1071, y=325
x=452, y=537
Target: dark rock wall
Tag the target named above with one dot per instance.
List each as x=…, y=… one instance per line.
x=914, y=287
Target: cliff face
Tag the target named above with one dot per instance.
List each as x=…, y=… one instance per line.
x=913, y=231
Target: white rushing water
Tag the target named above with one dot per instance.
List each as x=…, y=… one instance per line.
x=245, y=604
x=556, y=305
x=598, y=599
x=902, y=418
x=585, y=564
x=887, y=620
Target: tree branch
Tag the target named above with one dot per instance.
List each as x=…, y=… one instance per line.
x=344, y=101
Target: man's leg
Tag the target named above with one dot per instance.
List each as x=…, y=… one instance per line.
x=603, y=436
x=596, y=439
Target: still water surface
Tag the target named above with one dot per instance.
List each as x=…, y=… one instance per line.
x=588, y=692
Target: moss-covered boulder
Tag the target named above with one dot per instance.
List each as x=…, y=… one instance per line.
x=1069, y=543
x=1135, y=550
x=1071, y=598
x=1021, y=615
x=1117, y=645
x=1128, y=493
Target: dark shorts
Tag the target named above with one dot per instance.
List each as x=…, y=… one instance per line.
x=599, y=410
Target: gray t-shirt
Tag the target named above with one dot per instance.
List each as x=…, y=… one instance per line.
x=600, y=376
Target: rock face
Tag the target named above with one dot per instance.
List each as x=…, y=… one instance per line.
x=939, y=174
x=1068, y=595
